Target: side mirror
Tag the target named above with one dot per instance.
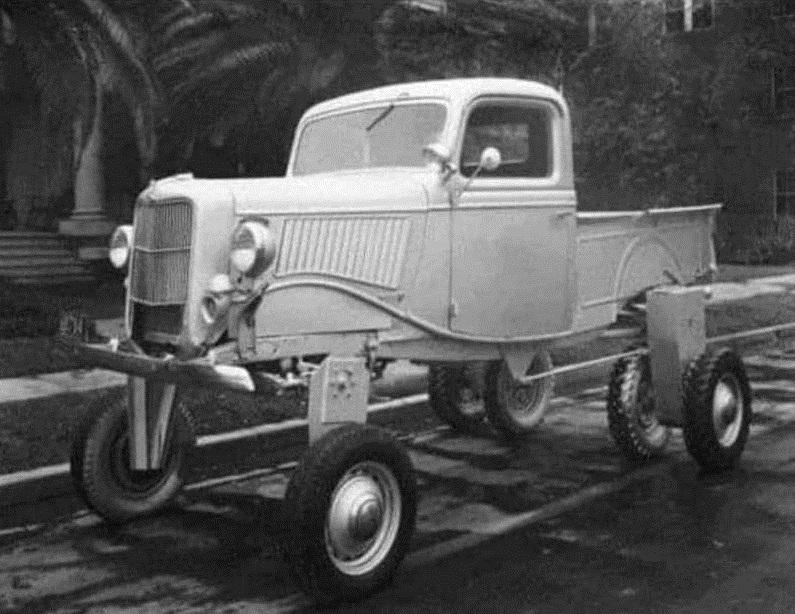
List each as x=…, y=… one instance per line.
x=490, y=159
x=436, y=153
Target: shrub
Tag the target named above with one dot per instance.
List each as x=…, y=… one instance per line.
x=25, y=312
x=749, y=239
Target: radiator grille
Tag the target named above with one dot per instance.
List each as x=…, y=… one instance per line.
x=367, y=249
x=161, y=253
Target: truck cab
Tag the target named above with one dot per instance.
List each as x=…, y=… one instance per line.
x=498, y=246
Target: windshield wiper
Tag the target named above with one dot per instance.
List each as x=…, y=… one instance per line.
x=382, y=116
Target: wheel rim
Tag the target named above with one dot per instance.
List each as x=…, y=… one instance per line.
x=525, y=403
x=470, y=390
x=363, y=518
x=135, y=482
x=727, y=410
x=647, y=408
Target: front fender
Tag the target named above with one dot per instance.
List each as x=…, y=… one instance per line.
x=297, y=309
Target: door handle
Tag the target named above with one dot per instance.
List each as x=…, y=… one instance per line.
x=562, y=214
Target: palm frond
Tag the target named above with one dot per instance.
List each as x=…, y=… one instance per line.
x=259, y=57
x=128, y=71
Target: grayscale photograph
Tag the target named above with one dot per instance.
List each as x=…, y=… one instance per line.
x=480, y=306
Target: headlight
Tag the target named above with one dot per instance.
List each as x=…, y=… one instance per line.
x=120, y=246
x=253, y=248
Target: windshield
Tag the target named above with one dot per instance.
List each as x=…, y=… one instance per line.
x=389, y=135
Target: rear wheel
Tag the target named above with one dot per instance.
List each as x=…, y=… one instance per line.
x=717, y=412
x=351, y=506
x=515, y=410
x=631, y=410
x=456, y=394
x=100, y=463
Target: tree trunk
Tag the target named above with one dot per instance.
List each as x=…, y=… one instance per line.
x=90, y=176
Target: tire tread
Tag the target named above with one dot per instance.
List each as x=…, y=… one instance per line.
x=306, y=500
x=700, y=379
x=85, y=450
x=624, y=382
x=443, y=385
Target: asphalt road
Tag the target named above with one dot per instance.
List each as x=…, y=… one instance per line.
x=557, y=523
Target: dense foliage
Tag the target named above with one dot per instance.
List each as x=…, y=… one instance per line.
x=218, y=85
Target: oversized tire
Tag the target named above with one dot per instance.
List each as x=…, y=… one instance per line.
x=350, y=509
x=100, y=468
x=456, y=394
x=516, y=410
x=717, y=409
x=631, y=410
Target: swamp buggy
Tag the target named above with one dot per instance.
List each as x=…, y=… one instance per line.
x=431, y=221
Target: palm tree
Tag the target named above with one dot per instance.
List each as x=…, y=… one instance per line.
x=76, y=52
x=238, y=73
x=523, y=38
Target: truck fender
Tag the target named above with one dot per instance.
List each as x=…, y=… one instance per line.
x=647, y=261
x=519, y=358
x=293, y=309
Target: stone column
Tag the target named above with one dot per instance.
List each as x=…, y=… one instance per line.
x=88, y=219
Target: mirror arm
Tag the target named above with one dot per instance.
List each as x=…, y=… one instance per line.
x=471, y=178
x=449, y=170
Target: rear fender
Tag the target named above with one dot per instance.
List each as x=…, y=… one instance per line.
x=648, y=261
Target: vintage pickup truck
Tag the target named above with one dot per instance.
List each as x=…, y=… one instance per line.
x=432, y=221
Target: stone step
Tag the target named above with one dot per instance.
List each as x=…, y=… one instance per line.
x=27, y=234
x=45, y=240
x=40, y=258
x=10, y=253
x=20, y=246
x=56, y=280
x=37, y=260
x=44, y=270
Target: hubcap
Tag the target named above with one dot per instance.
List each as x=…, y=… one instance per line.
x=363, y=518
x=526, y=403
x=727, y=410
x=647, y=414
x=135, y=483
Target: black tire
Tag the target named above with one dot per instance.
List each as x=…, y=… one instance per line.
x=348, y=457
x=717, y=409
x=630, y=410
x=516, y=410
x=100, y=470
x=456, y=393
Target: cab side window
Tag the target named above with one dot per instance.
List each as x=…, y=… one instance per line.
x=522, y=133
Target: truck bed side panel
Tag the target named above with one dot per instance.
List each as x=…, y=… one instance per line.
x=623, y=253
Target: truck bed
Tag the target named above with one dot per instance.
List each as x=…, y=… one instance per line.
x=621, y=253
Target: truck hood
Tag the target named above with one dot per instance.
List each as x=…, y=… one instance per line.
x=332, y=192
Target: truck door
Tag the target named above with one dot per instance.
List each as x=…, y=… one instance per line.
x=513, y=229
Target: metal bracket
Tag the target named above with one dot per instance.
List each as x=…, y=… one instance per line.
x=676, y=335
x=338, y=392
x=148, y=417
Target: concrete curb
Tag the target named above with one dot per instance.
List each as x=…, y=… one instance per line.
x=49, y=384
x=399, y=378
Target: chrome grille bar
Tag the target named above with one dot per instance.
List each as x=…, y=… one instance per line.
x=161, y=253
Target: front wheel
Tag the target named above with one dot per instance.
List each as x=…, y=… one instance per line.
x=717, y=412
x=350, y=508
x=100, y=463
